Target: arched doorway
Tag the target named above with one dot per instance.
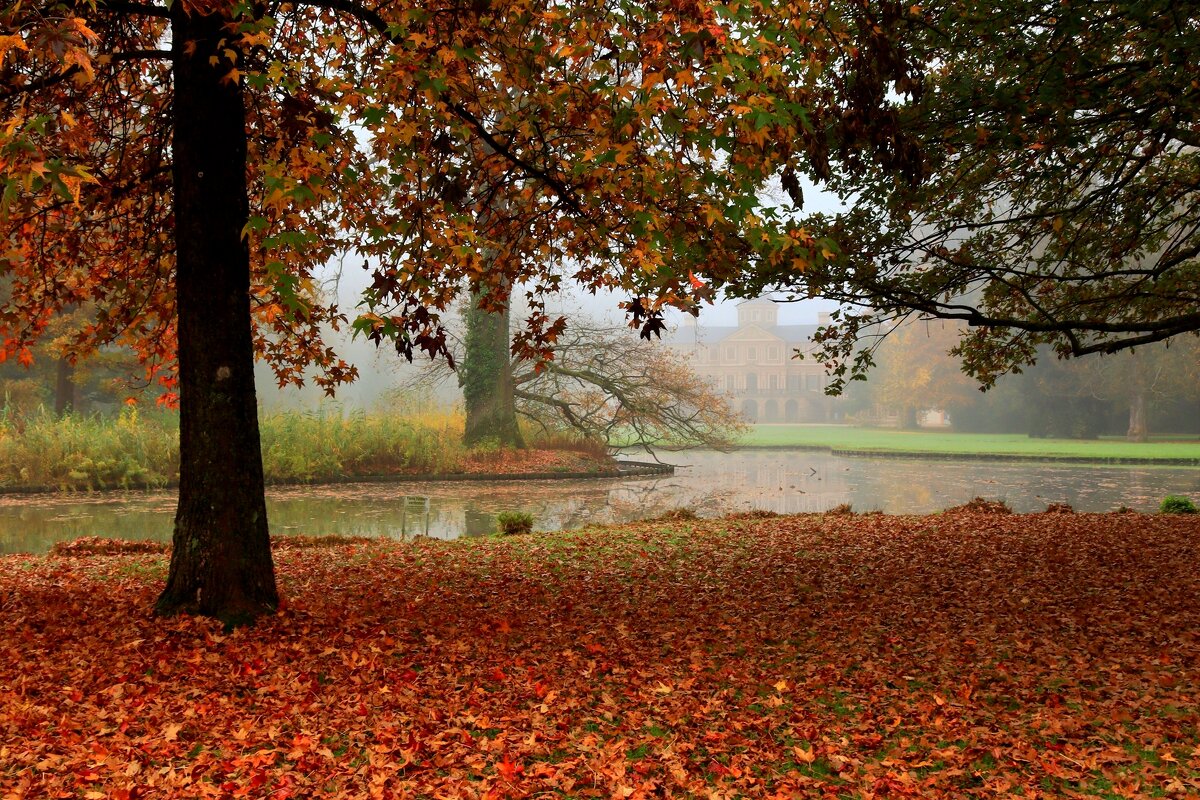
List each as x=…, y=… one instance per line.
x=750, y=410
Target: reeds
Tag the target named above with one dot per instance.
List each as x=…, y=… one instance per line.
x=329, y=445
x=83, y=452
x=140, y=447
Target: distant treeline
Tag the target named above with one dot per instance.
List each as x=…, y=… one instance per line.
x=1154, y=389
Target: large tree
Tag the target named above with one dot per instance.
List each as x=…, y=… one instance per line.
x=186, y=193
x=1061, y=204
x=485, y=374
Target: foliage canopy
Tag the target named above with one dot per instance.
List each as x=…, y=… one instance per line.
x=1059, y=207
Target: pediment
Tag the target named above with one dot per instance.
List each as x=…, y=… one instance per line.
x=753, y=333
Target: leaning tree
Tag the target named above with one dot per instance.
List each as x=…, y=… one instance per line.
x=183, y=168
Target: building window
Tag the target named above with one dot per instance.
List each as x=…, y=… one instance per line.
x=814, y=382
x=751, y=382
x=751, y=354
x=773, y=353
x=773, y=382
x=793, y=383
x=730, y=383
x=729, y=354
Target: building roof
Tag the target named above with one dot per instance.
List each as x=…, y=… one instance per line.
x=688, y=335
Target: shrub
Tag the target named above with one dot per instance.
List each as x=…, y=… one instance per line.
x=514, y=522
x=1177, y=504
x=844, y=508
x=981, y=505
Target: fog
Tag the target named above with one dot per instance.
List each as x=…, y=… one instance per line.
x=384, y=375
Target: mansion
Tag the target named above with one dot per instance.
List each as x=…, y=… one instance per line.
x=754, y=365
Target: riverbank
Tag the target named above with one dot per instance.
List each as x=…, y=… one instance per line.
x=847, y=440
x=951, y=655
x=137, y=450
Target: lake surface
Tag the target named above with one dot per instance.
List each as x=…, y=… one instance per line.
x=711, y=484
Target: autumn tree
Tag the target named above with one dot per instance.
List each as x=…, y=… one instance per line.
x=188, y=193
x=1060, y=204
x=915, y=372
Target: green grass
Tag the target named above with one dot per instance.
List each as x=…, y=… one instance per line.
x=845, y=438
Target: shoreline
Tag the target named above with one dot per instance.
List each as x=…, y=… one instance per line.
x=944, y=456
x=622, y=469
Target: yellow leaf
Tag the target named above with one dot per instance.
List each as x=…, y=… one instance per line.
x=170, y=732
x=804, y=756
x=11, y=42
x=651, y=79
x=83, y=29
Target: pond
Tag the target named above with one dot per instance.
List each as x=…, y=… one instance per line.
x=709, y=483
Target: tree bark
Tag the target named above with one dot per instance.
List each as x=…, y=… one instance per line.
x=221, y=554
x=64, y=387
x=1138, y=430
x=486, y=378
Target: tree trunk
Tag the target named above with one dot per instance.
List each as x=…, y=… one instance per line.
x=485, y=376
x=908, y=419
x=1138, y=430
x=64, y=387
x=221, y=551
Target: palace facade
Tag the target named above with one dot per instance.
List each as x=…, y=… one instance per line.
x=754, y=365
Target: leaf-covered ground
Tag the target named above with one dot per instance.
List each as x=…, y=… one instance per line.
x=957, y=655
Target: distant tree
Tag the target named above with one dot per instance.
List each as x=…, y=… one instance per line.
x=914, y=371
x=1140, y=380
x=1060, y=205
x=1125, y=393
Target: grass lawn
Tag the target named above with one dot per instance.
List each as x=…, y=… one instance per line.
x=948, y=656
x=847, y=438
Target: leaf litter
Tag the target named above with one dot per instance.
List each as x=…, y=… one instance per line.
x=958, y=655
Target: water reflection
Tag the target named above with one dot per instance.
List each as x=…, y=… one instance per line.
x=709, y=483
